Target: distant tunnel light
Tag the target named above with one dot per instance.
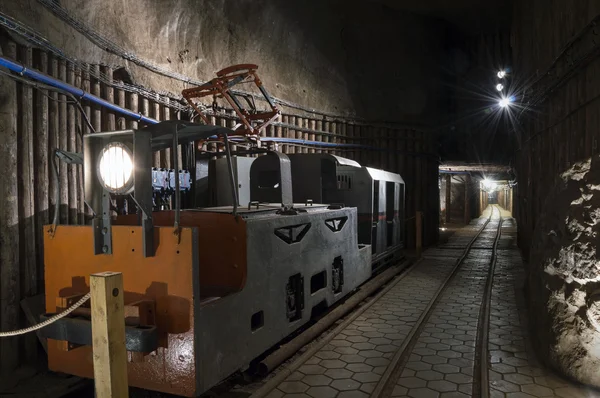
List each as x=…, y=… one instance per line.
x=501, y=74
x=500, y=87
x=489, y=185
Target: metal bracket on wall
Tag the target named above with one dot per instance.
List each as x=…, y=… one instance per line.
x=102, y=228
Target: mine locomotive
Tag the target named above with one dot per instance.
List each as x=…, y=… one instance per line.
x=210, y=288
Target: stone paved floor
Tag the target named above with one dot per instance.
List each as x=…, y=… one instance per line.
x=514, y=370
x=442, y=360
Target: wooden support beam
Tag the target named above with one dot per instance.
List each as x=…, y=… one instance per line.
x=419, y=230
x=448, y=196
x=108, y=335
x=10, y=273
x=467, y=200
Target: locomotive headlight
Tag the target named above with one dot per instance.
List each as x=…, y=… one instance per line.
x=115, y=168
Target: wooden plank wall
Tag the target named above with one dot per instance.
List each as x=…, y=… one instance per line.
x=33, y=123
x=565, y=128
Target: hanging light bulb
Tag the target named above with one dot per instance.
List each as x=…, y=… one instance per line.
x=501, y=74
x=500, y=87
x=504, y=102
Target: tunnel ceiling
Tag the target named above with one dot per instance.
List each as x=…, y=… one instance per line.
x=470, y=16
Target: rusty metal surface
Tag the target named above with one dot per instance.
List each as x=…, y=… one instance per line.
x=221, y=244
x=166, y=279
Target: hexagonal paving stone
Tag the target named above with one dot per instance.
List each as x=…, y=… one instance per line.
x=362, y=346
x=504, y=386
x=503, y=368
x=377, y=361
x=424, y=351
x=373, y=334
x=327, y=355
x=312, y=361
x=445, y=368
x=399, y=391
x=293, y=387
x=346, y=351
x=332, y=363
x=370, y=353
x=295, y=376
x=518, y=378
x=352, y=358
x=322, y=392
x=417, y=365
x=442, y=385
x=345, y=384
x=455, y=394
x=537, y=390
x=359, y=367
x=411, y=382
x=338, y=373
x=316, y=380
x=357, y=339
x=434, y=360
x=423, y=393
x=386, y=348
x=515, y=361
x=352, y=394
x=366, y=377
x=459, y=378
x=449, y=354
x=312, y=369
x=429, y=375
x=340, y=343
x=276, y=393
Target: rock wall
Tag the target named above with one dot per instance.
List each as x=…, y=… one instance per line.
x=352, y=58
x=564, y=275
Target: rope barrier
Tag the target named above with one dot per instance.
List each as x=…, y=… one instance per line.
x=47, y=321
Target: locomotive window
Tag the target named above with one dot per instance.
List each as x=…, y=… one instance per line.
x=344, y=182
x=268, y=179
x=257, y=321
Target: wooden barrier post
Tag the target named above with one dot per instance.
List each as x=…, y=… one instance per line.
x=108, y=335
x=419, y=231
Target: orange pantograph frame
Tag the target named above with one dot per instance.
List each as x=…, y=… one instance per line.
x=252, y=123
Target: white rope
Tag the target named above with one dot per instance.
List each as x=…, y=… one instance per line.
x=49, y=320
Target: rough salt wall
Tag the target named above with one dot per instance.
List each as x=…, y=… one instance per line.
x=354, y=58
x=565, y=127
x=564, y=274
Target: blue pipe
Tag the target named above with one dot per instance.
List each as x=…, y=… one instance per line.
x=453, y=172
x=77, y=92
x=83, y=95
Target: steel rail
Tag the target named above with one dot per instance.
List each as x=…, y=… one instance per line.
x=481, y=384
x=385, y=386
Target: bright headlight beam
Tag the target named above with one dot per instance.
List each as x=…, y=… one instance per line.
x=115, y=168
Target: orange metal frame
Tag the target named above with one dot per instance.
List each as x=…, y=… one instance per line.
x=252, y=123
x=188, y=269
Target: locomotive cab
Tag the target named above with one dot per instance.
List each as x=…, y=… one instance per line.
x=377, y=194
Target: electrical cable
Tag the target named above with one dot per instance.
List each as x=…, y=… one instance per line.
x=47, y=321
x=41, y=86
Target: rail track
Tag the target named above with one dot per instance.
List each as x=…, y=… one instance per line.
x=387, y=382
